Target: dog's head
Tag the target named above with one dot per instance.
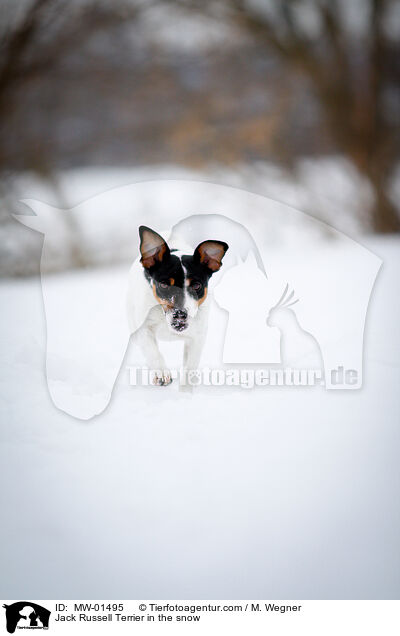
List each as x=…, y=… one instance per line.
x=179, y=281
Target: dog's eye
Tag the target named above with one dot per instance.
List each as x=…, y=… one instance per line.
x=164, y=285
x=197, y=286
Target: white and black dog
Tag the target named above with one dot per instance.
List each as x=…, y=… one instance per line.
x=166, y=298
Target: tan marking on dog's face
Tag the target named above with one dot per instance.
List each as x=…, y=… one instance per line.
x=165, y=304
x=172, y=281
x=202, y=299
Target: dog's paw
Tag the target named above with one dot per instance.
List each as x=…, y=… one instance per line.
x=162, y=378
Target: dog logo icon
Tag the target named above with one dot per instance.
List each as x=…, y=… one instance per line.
x=26, y=615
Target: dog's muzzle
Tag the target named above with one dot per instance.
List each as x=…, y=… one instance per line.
x=179, y=320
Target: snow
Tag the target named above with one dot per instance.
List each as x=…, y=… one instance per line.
x=225, y=493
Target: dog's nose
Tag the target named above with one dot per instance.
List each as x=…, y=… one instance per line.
x=180, y=314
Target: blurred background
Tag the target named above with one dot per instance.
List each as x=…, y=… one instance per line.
x=295, y=99
x=233, y=494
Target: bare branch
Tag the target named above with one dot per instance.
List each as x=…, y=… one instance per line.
x=51, y=27
x=16, y=43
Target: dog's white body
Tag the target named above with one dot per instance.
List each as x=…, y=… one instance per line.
x=147, y=323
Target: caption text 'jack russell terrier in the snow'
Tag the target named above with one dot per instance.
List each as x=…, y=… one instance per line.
x=167, y=298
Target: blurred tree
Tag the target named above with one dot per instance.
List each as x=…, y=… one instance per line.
x=65, y=64
x=349, y=52
x=35, y=37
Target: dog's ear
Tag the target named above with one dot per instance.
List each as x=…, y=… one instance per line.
x=210, y=254
x=153, y=248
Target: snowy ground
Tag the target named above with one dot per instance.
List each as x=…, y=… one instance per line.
x=226, y=493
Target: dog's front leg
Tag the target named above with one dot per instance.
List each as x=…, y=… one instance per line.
x=147, y=341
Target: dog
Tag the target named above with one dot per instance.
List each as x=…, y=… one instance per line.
x=167, y=298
